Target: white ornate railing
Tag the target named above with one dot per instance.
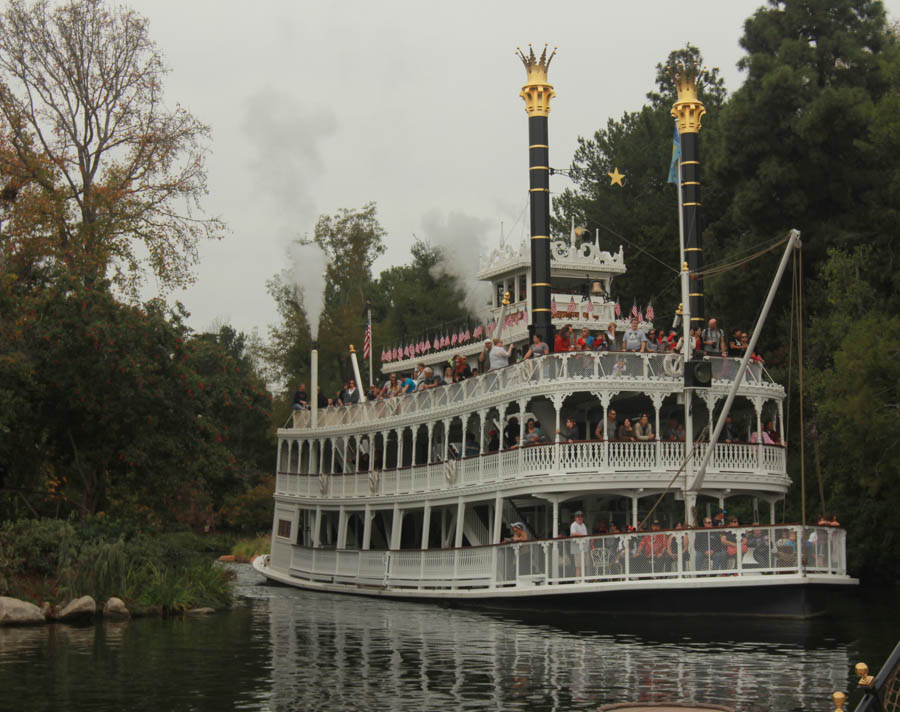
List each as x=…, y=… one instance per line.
x=674, y=554
x=581, y=368
x=662, y=459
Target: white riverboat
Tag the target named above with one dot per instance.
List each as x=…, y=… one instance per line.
x=414, y=496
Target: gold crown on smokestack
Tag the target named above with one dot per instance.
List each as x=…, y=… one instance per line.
x=689, y=110
x=537, y=91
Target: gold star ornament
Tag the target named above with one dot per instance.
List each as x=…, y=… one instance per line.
x=615, y=178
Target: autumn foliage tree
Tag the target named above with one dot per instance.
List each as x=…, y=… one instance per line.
x=118, y=173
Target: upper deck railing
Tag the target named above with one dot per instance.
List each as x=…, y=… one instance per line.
x=757, y=465
x=581, y=368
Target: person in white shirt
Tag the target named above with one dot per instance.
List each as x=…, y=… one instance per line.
x=577, y=528
x=498, y=356
x=634, y=339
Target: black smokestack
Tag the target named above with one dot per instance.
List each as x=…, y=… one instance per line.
x=537, y=93
x=689, y=111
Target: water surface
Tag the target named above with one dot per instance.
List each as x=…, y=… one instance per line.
x=286, y=649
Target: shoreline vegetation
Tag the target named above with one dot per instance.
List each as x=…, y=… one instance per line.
x=53, y=564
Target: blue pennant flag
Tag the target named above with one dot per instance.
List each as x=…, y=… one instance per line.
x=676, y=157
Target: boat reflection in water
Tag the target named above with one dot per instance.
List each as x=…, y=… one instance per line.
x=354, y=651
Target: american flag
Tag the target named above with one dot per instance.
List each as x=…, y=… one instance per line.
x=552, y=305
x=618, y=309
x=649, y=313
x=427, y=344
x=640, y=317
x=453, y=339
x=634, y=309
x=590, y=306
x=572, y=306
x=478, y=332
x=367, y=341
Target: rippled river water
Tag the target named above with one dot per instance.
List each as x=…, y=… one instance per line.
x=285, y=649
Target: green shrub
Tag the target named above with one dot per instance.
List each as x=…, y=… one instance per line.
x=246, y=549
x=57, y=561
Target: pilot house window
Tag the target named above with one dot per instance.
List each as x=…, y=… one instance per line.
x=284, y=528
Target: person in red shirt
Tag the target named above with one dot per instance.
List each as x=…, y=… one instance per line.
x=584, y=342
x=653, y=546
x=563, y=341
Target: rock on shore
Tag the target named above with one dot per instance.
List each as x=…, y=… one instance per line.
x=16, y=612
x=84, y=607
x=115, y=608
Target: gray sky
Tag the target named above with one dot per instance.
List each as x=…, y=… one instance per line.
x=316, y=106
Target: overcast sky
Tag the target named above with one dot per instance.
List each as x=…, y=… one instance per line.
x=316, y=106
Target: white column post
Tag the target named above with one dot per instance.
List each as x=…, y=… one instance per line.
x=399, y=432
x=426, y=525
x=781, y=422
x=460, y=522
x=396, y=526
x=367, y=528
x=557, y=405
x=358, y=441
x=758, y=406
x=317, y=527
x=657, y=404
x=430, y=442
x=634, y=511
x=481, y=416
x=555, y=531
x=771, y=511
x=498, y=517
x=342, y=528
x=447, y=422
x=321, y=455
x=604, y=401
x=520, y=455
x=415, y=435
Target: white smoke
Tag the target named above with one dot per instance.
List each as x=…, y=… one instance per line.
x=462, y=240
x=284, y=138
x=308, y=265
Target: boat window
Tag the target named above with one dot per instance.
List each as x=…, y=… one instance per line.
x=284, y=528
x=523, y=288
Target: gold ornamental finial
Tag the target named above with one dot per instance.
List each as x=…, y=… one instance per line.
x=689, y=110
x=865, y=679
x=505, y=300
x=537, y=91
x=839, y=698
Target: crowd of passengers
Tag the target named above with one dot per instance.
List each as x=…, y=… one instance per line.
x=710, y=550
x=711, y=341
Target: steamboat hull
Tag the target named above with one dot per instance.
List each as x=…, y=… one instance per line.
x=796, y=597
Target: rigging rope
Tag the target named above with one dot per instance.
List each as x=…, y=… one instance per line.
x=709, y=272
x=800, y=386
x=640, y=249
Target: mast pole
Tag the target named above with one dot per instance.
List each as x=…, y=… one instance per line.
x=793, y=243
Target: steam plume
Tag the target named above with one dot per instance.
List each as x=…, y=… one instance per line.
x=308, y=265
x=461, y=239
